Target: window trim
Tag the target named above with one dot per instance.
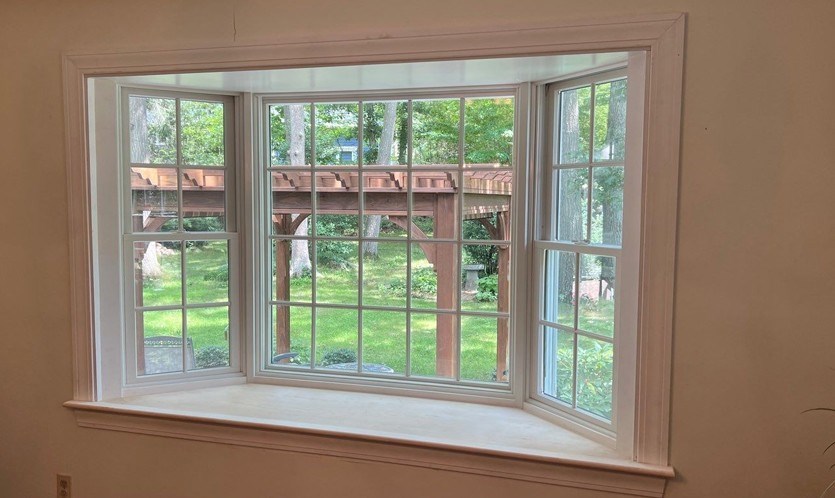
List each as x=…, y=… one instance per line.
x=661, y=35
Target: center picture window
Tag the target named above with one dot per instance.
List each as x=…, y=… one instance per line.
x=389, y=246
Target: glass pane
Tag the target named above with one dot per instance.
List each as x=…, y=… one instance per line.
x=435, y=131
x=435, y=203
x=607, y=205
x=610, y=121
x=434, y=275
x=202, y=138
x=336, y=134
x=337, y=204
x=596, y=310
x=208, y=337
x=384, y=274
x=157, y=270
x=385, y=133
x=559, y=364
x=336, y=339
x=153, y=130
x=207, y=271
x=425, y=353
x=479, y=349
x=385, y=193
x=204, y=200
x=290, y=336
x=484, y=269
x=575, y=111
x=487, y=197
x=488, y=132
x=336, y=272
x=384, y=342
x=560, y=285
x=154, y=199
x=289, y=134
x=160, y=340
x=292, y=279
x=290, y=199
x=572, y=203
x=594, y=376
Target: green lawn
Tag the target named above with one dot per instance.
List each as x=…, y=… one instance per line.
x=384, y=332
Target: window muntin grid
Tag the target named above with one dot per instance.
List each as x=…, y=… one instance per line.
x=179, y=235
x=580, y=245
x=361, y=183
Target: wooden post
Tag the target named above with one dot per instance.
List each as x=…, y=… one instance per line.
x=283, y=225
x=503, y=297
x=446, y=336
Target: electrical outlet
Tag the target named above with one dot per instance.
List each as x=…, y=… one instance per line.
x=64, y=486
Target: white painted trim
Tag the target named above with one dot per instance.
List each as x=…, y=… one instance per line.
x=602, y=474
x=661, y=35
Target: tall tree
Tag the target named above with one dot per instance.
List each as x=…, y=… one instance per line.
x=610, y=180
x=299, y=251
x=570, y=217
x=372, y=228
x=141, y=153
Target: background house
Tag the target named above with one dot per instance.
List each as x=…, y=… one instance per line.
x=754, y=334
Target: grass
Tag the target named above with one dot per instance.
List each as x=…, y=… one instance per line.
x=384, y=332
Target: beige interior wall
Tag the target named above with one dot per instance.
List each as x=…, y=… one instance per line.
x=754, y=313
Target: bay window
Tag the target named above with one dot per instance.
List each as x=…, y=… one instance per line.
x=488, y=230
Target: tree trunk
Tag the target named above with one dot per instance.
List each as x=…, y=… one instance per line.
x=372, y=228
x=140, y=153
x=570, y=218
x=612, y=201
x=299, y=251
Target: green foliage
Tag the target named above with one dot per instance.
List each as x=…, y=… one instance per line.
x=333, y=253
x=435, y=131
x=488, y=289
x=199, y=224
x=202, y=132
x=211, y=356
x=424, y=284
x=594, y=374
x=302, y=348
x=486, y=255
x=488, y=131
x=340, y=355
x=594, y=386
x=219, y=275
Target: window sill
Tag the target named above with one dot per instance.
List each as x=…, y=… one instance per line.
x=446, y=435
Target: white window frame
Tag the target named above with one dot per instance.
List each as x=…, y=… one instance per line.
x=230, y=234
x=661, y=36
x=618, y=430
x=508, y=394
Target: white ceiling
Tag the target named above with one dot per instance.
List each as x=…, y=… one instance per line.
x=387, y=76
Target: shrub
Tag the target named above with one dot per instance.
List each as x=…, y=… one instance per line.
x=333, y=253
x=341, y=355
x=424, y=284
x=211, y=356
x=488, y=289
x=220, y=275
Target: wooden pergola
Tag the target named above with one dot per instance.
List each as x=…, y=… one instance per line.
x=487, y=195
